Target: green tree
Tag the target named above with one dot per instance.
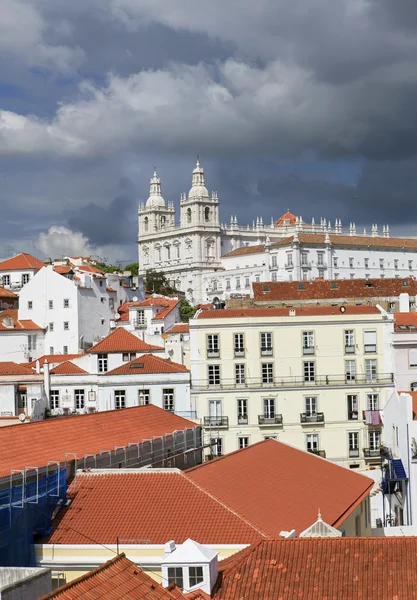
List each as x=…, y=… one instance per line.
x=187, y=311
x=133, y=268
x=157, y=283
x=108, y=268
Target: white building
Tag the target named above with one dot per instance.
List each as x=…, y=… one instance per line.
x=207, y=259
x=405, y=351
x=20, y=340
x=23, y=393
x=17, y=271
x=313, y=377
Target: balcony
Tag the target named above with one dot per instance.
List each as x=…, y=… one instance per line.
x=370, y=348
x=311, y=418
x=321, y=453
x=372, y=417
x=349, y=349
x=353, y=415
x=372, y=453
x=267, y=421
x=308, y=350
x=266, y=351
x=380, y=379
x=216, y=422
x=239, y=352
x=139, y=325
x=353, y=452
x=213, y=353
x=242, y=420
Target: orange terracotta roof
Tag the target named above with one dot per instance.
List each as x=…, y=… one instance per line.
x=68, y=368
x=148, y=364
x=117, y=579
x=413, y=399
x=289, y=217
x=12, y=368
x=121, y=340
x=88, y=269
x=53, y=359
x=110, y=289
x=405, y=322
x=300, y=311
x=22, y=262
x=18, y=324
x=321, y=568
x=179, y=328
x=7, y=294
x=245, y=250
x=82, y=434
x=274, y=291
x=287, y=486
x=151, y=505
x=171, y=305
x=63, y=269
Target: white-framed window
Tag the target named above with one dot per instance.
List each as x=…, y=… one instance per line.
x=257, y=278
x=140, y=317
x=309, y=369
x=374, y=439
x=412, y=357
x=51, y=350
x=144, y=397
x=51, y=327
x=213, y=345
x=195, y=575
x=66, y=303
x=102, y=360
x=274, y=261
x=320, y=259
x=372, y=401
x=289, y=259
x=267, y=372
x=247, y=282
x=242, y=442
x=240, y=373
x=321, y=273
x=175, y=574
x=214, y=374
x=349, y=336
x=79, y=396
x=66, y=325
x=350, y=370
x=168, y=397
x=270, y=437
x=238, y=283
x=351, y=263
x=227, y=284
x=370, y=370
x=353, y=440
x=274, y=276
x=217, y=446
x=269, y=408
x=65, y=350
x=308, y=342
x=119, y=399
x=381, y=263
x=50, y=304
x=335, y=262
x=266, y=344
x=30, y=302
x=396, y=264
x=310, y=403
x=32, y=342
x=413, y=386
x=304, y=259
x=242, y=411
x=54, y=399
x=410, y=265
x=369, y=342
x=239, y=344
x=312, y=442
x=353, y=407
x=128, y=356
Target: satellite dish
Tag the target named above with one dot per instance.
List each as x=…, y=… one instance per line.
x=170, y=352
x=117, y=316
x=22, y=417
x=342, y=309
x=135, y=298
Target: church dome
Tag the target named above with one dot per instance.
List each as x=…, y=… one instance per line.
x=198, y=188
x=155, y=197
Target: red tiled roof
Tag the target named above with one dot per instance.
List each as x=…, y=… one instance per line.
x=121, y=340
x=179, y=328
x=117, y=579
x=82, y=434
x=287, y=486
x=272, y=291
x=7, y=294
x=321, y=568
x=63, y=269
x=150, y=364
x=171, y=305
x=110, y=289
x=22, y=262
x=68, y=368
x=54, y=358
x=151, y=506
x=288, y=216
x=12, y=368
x=405, y=319
x=245, y=250
x=88, y=269
x=303, y=311
x=18, y=324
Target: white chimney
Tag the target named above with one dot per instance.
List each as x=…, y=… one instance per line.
x=169, y=547
x=404, y=303
x=46, y=381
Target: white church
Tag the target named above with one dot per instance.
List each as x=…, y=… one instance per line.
x=209, y=260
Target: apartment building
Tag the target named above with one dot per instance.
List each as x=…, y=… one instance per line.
x=17, y=271
x=313, y=377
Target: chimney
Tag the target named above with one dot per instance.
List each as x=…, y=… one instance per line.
x=46, y=382
x=404, y=303
x=38, y=366
x=169, y=547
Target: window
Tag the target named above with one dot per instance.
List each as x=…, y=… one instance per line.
x=217, y=446
x=304, y=259
x=311, y=405
x=308, y=342
x=146, y=223
x=370, y=370
x=6, y=281
x=238, y=283
x=243, y=442
x=366, y=262
x=350, y=370
x=140, y=317
x=54, y=399
x=101, y=283
x=349, y=341
x=374, y=439
x=65, y=350
x=51, y=326
x=372, y=401
x=391, y=306
x=103, y=300
x=396, y=264
x=410, y=265
x=350, y=263
x=381, y=263
x=128, y=356
x=66, y=325
x=352, y=404
x=195, y=574
x=321, y=273
x=175, y=574
x=320, y=259
x=227, y=284
x=312, y=442
x=369, y=341
x=267, y=373
x=270, y=437
x=257, y=278
x=30, y=303
x=247, y=282
x=102, y=363
x=274, y=261
x=412, y=357
x=32, y=340
x=269, y=408
x=266, y=344
x=242, y=411
x=213, y=346
x=357, y=525
x=51, y=350
x=50, y=304
x=240, y=374
x=144, y=397
x=168, y=396
x=305, y=275
x=335, y=262
x=353, y=439
x=214, y=374
x=413, y=386
x=239, y=344
x=79, y=399
x=273, y=276
x=119, y=399
x=309, y=371
x=289, y=259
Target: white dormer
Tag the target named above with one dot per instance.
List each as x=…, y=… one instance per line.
x=191, y=566
x=320, y=529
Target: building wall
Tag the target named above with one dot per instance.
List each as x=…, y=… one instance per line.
x=22, y=583
x=363, y=514
x=404, y=344
x=15, y=278
x=14, y=345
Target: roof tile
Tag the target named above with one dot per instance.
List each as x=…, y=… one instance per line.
x=68, y=368
x=12, y=368
x=20, y=262
x=121, y=340
x=148, y=364
x=304, y=311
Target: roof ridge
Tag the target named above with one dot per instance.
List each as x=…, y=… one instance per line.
x=219, y=458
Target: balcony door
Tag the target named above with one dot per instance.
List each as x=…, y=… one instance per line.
x=269, y=408
x=215, y=412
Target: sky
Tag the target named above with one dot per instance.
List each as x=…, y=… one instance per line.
x=308, y=105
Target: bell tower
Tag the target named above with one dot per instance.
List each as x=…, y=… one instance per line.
x=198, y=209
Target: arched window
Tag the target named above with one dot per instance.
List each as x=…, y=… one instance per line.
x=188, y=215
x=168, y=251
x=177, y=250
x=146, y=222
x=158, y=253
x=207, y=213
x=163, y=222
x=146, y=255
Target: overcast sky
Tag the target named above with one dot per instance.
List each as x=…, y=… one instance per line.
x=308, y=105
